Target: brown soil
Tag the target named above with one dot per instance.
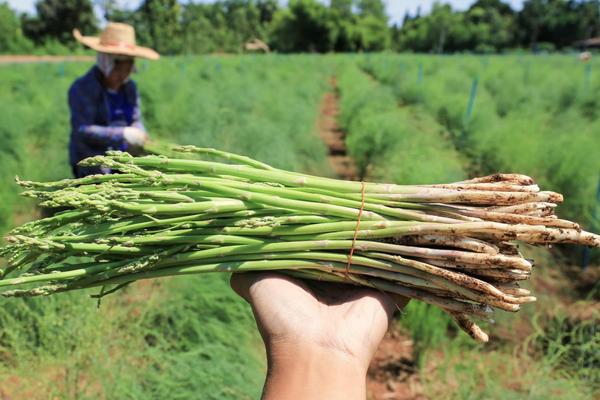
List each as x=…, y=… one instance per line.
x=334, y=136
x=139, y=293
x=393, y=373
x=20, y=59
x=58, y=379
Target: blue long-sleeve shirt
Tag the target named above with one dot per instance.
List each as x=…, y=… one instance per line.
x=94, y=129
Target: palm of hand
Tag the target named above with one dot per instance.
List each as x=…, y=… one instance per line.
x=335, y=317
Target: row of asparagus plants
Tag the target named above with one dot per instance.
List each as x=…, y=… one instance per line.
x=380, y=132
x=525, y=113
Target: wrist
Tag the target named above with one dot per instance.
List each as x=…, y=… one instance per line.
x=309, y=371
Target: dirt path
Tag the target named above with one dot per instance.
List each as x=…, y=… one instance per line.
x=393, y=372
x=21, y=59
x=334, y=137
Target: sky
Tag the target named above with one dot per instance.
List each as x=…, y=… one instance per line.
x=395, y=8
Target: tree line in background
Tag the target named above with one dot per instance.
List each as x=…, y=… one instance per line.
x=308, y=26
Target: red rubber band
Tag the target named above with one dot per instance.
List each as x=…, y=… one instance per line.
x=362, y=206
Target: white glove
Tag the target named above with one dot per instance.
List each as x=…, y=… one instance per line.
x=134, y=136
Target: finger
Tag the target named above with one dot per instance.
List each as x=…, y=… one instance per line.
x=386, y=301
x=390, y=302
x=245, y=284
x=241, y=283
x=399, y=301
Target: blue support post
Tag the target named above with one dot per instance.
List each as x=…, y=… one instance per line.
x=587, y=252
x=462, y=139
x=471, y=103
x=587, y=77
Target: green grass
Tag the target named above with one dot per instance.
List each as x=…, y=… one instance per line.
x=461, y=373
x=176, y=340
x=34, y=127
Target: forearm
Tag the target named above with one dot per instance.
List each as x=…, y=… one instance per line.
x=301, y=372
x=105, y=135
x=138, y=124
x=137, y=115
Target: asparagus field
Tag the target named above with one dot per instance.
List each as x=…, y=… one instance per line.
x=408, y=120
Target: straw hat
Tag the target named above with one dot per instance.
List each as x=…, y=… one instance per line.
x=119, y=39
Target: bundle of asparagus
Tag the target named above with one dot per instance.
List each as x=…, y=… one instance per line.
x=450, y=245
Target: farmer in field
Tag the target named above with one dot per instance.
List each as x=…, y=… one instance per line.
x=104, y=103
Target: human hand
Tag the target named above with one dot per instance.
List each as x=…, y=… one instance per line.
x=135, y=136
x=319, y=337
